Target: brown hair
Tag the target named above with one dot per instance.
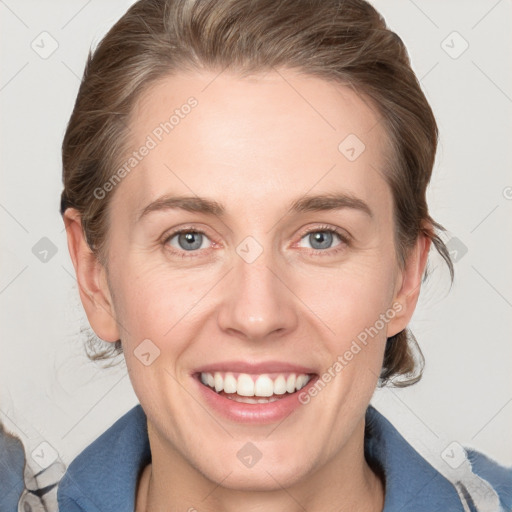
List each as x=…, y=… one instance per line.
x=345, y=41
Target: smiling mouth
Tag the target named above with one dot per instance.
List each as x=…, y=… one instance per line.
x=254, y=389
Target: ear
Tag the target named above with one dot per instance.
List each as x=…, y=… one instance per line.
x=92, y=280
x=409, y=283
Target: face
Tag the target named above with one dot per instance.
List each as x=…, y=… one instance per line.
x=251, y=250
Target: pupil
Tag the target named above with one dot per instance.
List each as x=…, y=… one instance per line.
x=190, y=241
x=322, y=239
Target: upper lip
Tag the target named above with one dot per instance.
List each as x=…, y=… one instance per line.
x=254, y=367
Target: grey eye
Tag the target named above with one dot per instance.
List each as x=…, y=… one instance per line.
x=321, y=239
x=188, y=240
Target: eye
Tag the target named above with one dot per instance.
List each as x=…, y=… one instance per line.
x=322, y=239
x=187, y=240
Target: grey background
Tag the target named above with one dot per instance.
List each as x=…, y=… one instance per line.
x=50, y=393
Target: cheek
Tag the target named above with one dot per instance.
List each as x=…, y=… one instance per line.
x=350, y=303
x=155, y=306
x=150, y=300
x=351, y=298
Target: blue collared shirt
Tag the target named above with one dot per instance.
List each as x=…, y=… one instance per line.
x=104, y=477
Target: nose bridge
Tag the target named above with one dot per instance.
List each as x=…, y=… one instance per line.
x=256, y=303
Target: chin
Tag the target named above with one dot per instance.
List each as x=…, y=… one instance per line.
x=271, y=472
x=264, y=479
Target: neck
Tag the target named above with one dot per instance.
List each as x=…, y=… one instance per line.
x=345, y=483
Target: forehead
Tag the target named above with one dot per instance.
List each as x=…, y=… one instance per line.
x=273, y=135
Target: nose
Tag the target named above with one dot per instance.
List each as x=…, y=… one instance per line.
x=257, y=304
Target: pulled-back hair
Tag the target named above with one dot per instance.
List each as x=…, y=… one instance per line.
x=345, y=41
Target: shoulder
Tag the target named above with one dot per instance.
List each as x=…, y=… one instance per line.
x=104, y=476
x=413, y=483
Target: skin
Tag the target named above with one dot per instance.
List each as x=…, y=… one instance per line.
x=255, y=145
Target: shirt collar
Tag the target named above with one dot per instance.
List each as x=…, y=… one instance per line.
x=104, y=476
x=411, y=482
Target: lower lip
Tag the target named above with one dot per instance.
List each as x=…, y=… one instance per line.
x=240, y=412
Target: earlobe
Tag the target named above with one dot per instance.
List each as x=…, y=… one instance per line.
x=92, y=280
x=408, y=287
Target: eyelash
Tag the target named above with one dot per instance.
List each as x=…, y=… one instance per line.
x=344, y=238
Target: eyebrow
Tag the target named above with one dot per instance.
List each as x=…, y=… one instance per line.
x=322, y=202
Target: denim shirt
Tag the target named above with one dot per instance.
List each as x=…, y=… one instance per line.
x=104, y=477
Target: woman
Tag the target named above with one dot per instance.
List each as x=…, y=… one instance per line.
x=244, y=198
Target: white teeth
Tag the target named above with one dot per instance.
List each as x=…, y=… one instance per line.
x=248, y=400
x=301, y=382
x=290, y=383
x=246, y=386
x=243, y=399
x=230, y=383
x=280, y=385
x=219, y=382
x=263, y=386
